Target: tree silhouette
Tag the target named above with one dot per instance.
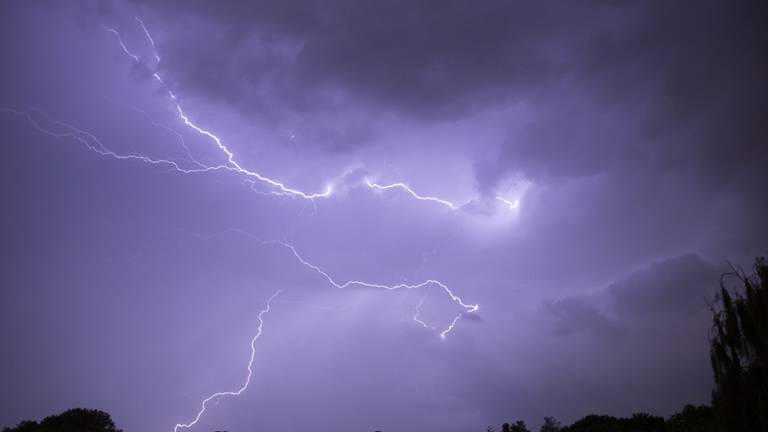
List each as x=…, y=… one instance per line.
x=550, y=425
x=594, y=423
x=639, y=422
x=739, y=351
x=74, y=420
x=692, y=419
x=518, y=426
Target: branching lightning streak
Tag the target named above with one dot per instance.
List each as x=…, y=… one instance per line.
x=410, y=191
x=416, y=315
x=468, y=308
x=91, y=142
x=60, y=129
x=204, y=404
x=231, y=159
x=178, y=135
x=207, y=133
x=122, y=44
x=149, y=37
x=283, y=189
x=427, y=284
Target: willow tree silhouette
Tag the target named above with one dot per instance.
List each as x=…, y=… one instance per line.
x=739, y=351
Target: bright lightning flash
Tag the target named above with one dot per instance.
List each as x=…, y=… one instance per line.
x=45, y=124
x=232, y=163
x=511, y=204
x=282, y=188
x=411, y=192
x=426, y=285
x=468, y=308
x=215, y=396
x=279, y=188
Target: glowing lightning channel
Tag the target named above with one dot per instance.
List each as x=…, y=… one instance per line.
x=200, y=130
x=417, y=313
x=151, y=41
x=427, y=284
x=240, y=169
x=178, y=135
x=281, y=189
x=204, y=404
x=284, y=190
x=410, y=191
x=122, y=44
x=94, y=144
x=90, y=141
x=468, y=308
x=511, y=204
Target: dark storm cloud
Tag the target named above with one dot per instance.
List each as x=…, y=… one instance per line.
x=670, y=87
x=638, y=124
x=667, y=104
x=650, y=330
x=680, y=286
x=418, y=58
x=575, y=315
x=614, y=87
x=675, y=292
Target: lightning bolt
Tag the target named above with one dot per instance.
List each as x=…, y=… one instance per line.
x=468, y=308
x=215, y=396
x=182, y=142
x=411, y=192
x=149, y=37
x=122, y=44
x=92, y=143
x=511, y=204
x=417, y=313
x=426, y=285
x=59, y=129
x=282, y=187
x=279, y=187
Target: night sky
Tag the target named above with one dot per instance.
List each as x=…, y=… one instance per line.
x=581, y=171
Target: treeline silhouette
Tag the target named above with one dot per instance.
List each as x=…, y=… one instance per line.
x=738, y=342
x=738, y=353
x=690, y=419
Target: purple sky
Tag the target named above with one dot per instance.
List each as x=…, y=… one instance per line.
x=631, y=134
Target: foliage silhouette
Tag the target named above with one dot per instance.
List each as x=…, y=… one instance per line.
x=73, y=420
x=739, y=351
x=639, y=422
x=692, y=419
x=550, y=425
x=518, y=426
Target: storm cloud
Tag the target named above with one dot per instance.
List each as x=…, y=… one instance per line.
x=631, y=134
